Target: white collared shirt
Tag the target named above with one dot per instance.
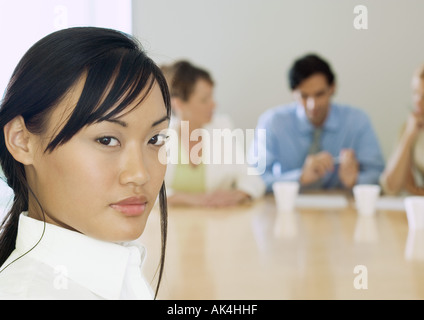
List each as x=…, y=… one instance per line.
x=69, y=265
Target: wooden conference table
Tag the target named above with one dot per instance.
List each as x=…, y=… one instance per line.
x=323, y=250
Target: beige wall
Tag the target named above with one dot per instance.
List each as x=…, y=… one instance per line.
x=248, y=45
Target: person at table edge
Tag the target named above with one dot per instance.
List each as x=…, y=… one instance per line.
x=350, y=152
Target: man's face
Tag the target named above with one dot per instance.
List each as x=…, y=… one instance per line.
x=314, y=94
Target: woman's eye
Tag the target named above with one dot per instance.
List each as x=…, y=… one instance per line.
x=158, y=140
x=108, y=141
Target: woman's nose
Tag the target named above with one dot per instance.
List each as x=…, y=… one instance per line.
x=134, y=170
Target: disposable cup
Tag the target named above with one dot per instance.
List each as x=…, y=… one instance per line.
x=366, y=196
x=285, y=194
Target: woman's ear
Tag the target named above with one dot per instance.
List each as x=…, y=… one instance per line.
x=18, y=142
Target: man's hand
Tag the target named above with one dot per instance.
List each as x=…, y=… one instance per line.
x=316, y=166
x=349, y=168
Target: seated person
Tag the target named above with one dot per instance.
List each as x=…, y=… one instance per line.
x=315, y=141
x=405, y=168
x=195, y=179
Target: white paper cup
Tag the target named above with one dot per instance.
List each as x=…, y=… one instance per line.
x=285, y=194
x=414, y=207
x=366, y=196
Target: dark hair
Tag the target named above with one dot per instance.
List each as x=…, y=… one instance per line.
x=112, y=62
x=307, y=66
x=182, y=77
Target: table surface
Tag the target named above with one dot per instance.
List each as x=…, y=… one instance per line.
x=255, y=252
x=323, y=250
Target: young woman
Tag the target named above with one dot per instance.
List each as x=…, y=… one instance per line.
x=82, y=123
x=405, y=168
x=198, y=179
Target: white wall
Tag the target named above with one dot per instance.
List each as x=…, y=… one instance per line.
x=248, y=45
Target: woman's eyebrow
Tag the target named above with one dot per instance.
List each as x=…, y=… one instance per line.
x=124, y=124
x=160, y=121
x=117, y=121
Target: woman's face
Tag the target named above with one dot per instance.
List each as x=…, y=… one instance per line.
x=105, y=180
x=200, y=106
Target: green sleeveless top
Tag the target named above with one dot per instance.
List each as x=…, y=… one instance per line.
x=188, y=178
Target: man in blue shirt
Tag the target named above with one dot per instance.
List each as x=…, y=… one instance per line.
x=347, y=151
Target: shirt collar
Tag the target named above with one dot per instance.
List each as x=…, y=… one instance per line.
x=96, y=265
x=331, y=123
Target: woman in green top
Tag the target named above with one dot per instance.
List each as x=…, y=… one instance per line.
x=194, y=179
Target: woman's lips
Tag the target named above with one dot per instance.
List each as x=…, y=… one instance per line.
x=131, y=207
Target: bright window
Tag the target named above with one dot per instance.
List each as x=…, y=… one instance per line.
x=23, y=22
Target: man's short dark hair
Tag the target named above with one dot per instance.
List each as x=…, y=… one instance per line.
x=307, y=66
